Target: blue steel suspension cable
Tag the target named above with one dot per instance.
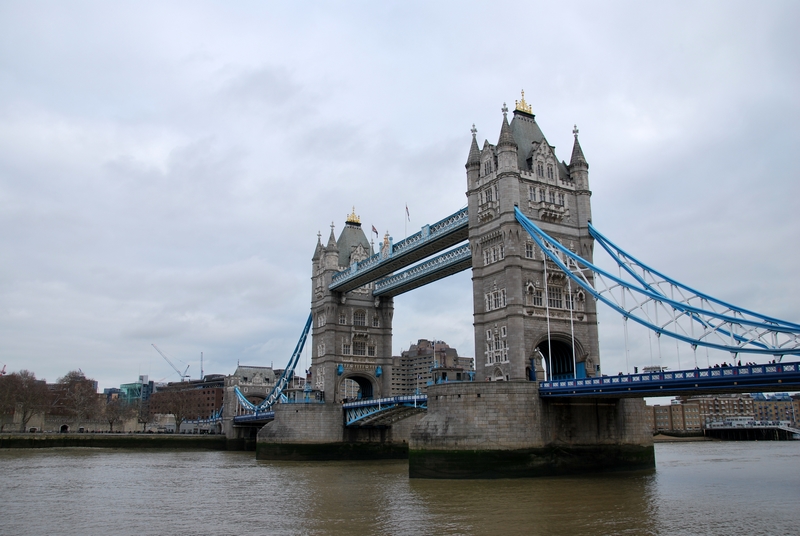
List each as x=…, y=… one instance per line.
x=754, y=345
x=284, y=378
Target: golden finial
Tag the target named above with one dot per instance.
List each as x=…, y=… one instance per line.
x=352, y=218
x=523, y=106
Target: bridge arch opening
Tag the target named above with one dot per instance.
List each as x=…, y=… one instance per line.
x=355, y=388
x=560, y=360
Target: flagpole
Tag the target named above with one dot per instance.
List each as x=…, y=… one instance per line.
x=405, y=223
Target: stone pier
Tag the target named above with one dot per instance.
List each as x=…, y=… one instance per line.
x=317, y=432
x=504, y=430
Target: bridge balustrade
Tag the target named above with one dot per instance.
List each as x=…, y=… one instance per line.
x=737, y=378
x=428, y=234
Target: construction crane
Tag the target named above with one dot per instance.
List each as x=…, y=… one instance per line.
x=183, y=376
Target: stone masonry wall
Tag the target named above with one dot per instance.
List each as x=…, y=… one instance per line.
x=480, y=415
x=304, y=423
x=510, y=415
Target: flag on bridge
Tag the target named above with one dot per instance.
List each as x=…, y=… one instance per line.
x=408, y=215
x=374, y=230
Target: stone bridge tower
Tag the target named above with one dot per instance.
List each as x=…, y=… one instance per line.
x=516, y=305
x=352, y=332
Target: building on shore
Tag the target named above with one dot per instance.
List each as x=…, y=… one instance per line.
x=675, y=417
x=195, y=400
x=428, y=362
x=696, y=413
x=777, y=407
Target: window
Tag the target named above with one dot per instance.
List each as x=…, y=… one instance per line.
x=541, y=194
x=342, y=318
x=346, y=348
x=488, y=195
x=503, y=331
x=371, y=351
x=554, y=297
x=569, y=298
x=375, y=322
x=494, y=254
x=496, y=299
x=549, y=171
x=539, y=169
x=561, y=199
x=528, y=250
x=553, y=198
x=359, y=348
x=359, y=318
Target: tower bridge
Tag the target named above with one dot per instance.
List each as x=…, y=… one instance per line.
x=539, y=403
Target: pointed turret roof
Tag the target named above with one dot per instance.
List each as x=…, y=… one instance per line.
x=577, y=152
x=318, y=250
x=474, y=157
x=506, y=136
x=332, y=240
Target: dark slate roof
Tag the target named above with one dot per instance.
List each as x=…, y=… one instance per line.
x=526, y=132
x=351, y=236
x=577, y=154
x=474, y=156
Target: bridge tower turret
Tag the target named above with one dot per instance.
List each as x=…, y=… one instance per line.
x=528, y=316
x=351, y=341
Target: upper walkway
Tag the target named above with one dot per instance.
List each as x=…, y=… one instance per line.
x=430, y=240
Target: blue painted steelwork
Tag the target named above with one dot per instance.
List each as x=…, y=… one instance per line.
x=214, y=418
x=282, y=381
x=453, y=224
x=262, y=417
x=358, y=413
x=656, y=281
x=772, y=377
x=690, y=317
x=460, y=257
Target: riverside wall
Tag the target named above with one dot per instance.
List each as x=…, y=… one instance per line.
x=117, y=441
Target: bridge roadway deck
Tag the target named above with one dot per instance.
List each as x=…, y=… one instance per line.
x=747, y=379
x=430, y=240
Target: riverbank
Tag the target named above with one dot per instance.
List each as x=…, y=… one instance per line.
x=661, y=438
x=119, y=441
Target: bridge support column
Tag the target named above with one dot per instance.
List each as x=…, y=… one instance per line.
x=504, y=430
x=316, y=432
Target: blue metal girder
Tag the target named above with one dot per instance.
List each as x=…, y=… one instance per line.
x=448, y=263
x=686, y=315
x=747, y=379
x=284, y=379
x=430, y=240
x=254, y=418
x=383, y=411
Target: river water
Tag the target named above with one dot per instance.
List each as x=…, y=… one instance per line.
x=697, y=488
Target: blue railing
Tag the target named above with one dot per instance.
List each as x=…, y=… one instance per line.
x=363, y=409
x=445, y=226
x=778, y=375
x=439, y=263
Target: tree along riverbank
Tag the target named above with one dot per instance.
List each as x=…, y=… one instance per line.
x=123, y=441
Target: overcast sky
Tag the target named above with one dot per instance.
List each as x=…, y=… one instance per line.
x=165, y=166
